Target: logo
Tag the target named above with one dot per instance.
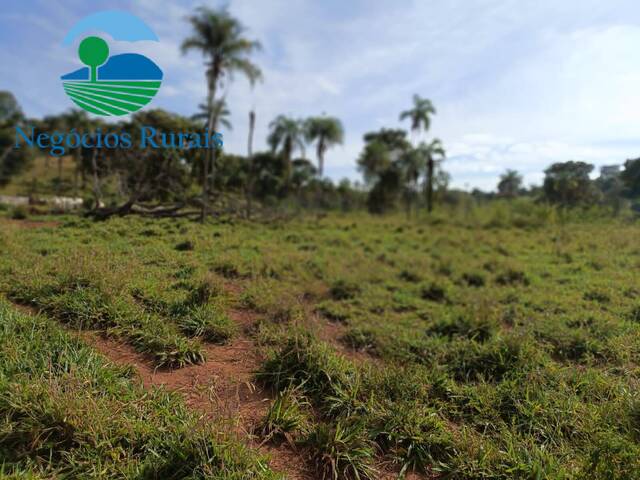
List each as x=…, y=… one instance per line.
x=111, y=85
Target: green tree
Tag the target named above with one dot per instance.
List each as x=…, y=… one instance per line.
x=433, y=154
x=220, y=39
x=326, y=132
x=221, y=113
x=12, y=160
x=630, y=176
x=287, y=135
x=568, y=184
x=419, y=115
x=510, y=184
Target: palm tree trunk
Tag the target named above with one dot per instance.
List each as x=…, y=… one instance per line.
x=430, y=185
x=208, y=156
x=249, y=185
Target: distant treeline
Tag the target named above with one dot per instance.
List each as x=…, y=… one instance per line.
x=401, y=170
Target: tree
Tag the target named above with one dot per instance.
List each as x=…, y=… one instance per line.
x=630, y=176
x=12, y=160
x=219, y=37
x=326, y=132
x=433, y=154
x=419, y=115
x=287, y=135
x=510, y=184
x=220, y=111
x=568, y=184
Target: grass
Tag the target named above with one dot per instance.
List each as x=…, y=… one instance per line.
x=66, y=413
x=492, y=343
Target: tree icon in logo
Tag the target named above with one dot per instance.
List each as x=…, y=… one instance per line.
x=112, y=85
x=93, y=52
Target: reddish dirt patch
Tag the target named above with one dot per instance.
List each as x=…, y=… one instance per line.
x=29, y=224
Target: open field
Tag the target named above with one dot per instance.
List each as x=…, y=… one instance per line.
x=468, y=346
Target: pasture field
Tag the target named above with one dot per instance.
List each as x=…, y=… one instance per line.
x=464, y=346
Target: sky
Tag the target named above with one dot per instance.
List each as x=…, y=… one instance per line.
x=517, y=84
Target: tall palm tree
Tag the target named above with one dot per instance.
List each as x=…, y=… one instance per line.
x=432, y=153
x=286, y=134
x=219, y=37
x=419, y=115
x=326, y=132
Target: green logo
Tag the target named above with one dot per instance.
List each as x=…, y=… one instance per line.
x=117, y=84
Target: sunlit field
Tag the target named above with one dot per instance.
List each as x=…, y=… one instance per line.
x=486, y=343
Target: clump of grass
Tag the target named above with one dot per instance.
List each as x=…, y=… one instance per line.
x=490, y=361
x=634, y=315
x=415, y=437
x=360, y=339
x=512, y=277
x=478, y=329
x=341, y=451
x=207, y=322
x=304, y=361
x=185, y=246
x=473, y=279
x=410, y=276
x=597, y=296
x=18, y=213
x=334, y=312
x=343, y=290
x=286, y=418
x=434, y=292
x=227, y=270
x=168, y=350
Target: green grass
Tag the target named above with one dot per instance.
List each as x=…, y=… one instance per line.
x=493, y=343
x=66, y=413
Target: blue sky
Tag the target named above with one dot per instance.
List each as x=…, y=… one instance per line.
x=517, y=83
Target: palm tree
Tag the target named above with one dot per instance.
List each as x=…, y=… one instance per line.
x=509, y=184
x=326, y=132
x=219, y=37
x=221, y=113
x=432, y=153
x=287, y=135
x=420, y=114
